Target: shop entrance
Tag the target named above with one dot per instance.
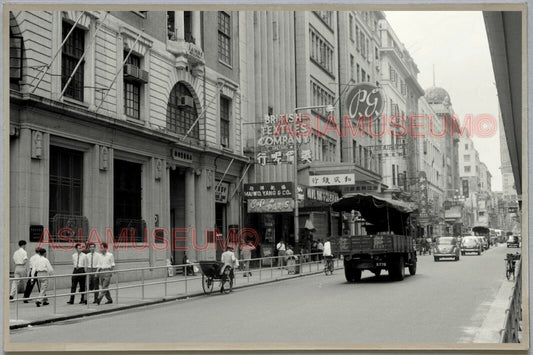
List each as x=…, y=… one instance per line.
x=177, y=217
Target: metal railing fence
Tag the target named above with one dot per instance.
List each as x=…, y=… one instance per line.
x=512, y=327
x=267, y=268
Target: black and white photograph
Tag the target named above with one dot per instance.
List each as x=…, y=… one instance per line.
x=251, y=177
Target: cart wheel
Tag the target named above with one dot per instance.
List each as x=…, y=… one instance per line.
x=207, y=284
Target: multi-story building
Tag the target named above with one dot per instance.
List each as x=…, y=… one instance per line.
x=301, y=62
x=431, y=160
x=120, y=122
x=476, y=186
x=402, y=91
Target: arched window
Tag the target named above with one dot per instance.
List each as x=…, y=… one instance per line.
x=181, y=112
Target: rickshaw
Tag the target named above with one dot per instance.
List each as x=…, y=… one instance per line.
x=211, y=272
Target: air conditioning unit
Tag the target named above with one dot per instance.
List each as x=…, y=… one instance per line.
x=134, y=73
x=185, y=101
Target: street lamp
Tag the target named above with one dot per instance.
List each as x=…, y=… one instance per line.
x=329, y=108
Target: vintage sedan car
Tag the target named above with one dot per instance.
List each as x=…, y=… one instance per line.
x=447, y=247
x=513, y=241
x=471, y=244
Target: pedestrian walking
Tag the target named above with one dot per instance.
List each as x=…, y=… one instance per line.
x=93, y=258
x=31, y=282
x=246, y=255
x=79, y=261
x=20, y=258
x=281, y=248
x=320, y=248
x=314, y=250
x=42, y=270
x=105, y=267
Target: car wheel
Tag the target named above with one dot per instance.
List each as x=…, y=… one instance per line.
x=436, y=258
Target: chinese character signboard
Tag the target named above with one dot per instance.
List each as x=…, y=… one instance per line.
x=268, y=190
x=221, y=192
x=332, y=180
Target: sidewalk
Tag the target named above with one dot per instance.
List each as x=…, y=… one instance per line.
x=131, y=294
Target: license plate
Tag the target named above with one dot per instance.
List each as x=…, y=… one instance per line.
x=381, y=264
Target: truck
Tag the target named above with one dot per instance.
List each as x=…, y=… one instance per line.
x=389, y=243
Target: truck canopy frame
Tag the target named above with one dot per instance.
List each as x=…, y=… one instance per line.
x=383, y=213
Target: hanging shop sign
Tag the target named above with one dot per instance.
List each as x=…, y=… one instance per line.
x=270, y=205
x=268, y=190
x=364, y=100
x=332, y=180
x=277, y=137
x=221, y=192
x=321, y=195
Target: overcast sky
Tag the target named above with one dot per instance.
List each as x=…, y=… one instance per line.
x=456, y=44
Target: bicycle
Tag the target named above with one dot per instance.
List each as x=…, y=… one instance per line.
x=328, y=265
x=510, y=262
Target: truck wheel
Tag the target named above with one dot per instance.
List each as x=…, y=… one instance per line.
x=412, y=269
x=397, y=268
x=352, y=274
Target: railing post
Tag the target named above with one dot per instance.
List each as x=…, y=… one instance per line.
x=87, y=294
x=142, y=284
x=116, y=286
x=55, y=295
x=186, y=275
x=16, y=301
x=260, y=268
x=166, y=280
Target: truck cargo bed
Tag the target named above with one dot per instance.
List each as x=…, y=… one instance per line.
x=372, y=244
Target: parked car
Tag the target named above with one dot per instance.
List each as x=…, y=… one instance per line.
x=471, y=244
x=447, y=247
x=513, y=241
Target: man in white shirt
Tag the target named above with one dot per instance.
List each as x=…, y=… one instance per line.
x=93, y=258
x=327, y=249
x=31, y=282
x=229, y=260
x=105, y=267
x=42, y=270
x=281, y=248
x=20, y=258
x=79, y=262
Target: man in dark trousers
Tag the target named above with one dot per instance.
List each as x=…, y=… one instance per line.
x=93, y=258
x=79, y=261
x=31, y=282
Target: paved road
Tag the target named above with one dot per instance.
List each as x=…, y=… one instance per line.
x=446, y=302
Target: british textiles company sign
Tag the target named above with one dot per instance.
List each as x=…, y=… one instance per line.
x=277, y=137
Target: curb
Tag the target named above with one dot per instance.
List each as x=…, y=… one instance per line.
x=149, y=303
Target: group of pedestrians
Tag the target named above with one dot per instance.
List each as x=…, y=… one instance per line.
x=99, y=266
